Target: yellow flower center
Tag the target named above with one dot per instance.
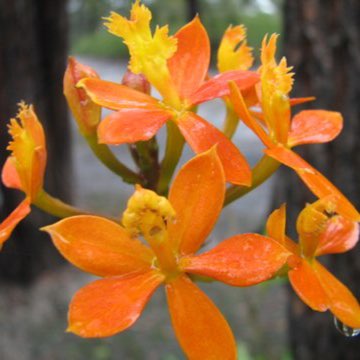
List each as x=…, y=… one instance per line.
x=147, y=214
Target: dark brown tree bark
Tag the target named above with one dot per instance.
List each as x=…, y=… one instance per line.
x=33, y=46
x=192, y=8
x=322, y=41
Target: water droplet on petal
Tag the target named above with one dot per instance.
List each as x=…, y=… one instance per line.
x=344, y=329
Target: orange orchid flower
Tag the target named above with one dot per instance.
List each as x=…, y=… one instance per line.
x=24, y=168
x=177, y=66
x=276, y=126
x=279, y=133
x=174, y=229
x=322, y=231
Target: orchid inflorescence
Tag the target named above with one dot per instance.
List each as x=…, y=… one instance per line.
x=166, y=222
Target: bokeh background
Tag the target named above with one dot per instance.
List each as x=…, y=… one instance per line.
x=321, y=38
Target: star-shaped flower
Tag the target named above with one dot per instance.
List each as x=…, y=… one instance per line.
x=174, y=230
x=177, y=66
x=322, y=230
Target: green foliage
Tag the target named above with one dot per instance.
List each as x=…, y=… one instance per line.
x=100, y=44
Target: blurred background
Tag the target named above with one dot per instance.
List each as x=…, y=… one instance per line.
x=321, y=38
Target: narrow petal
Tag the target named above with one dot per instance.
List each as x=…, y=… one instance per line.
x=9, y=224
x=342, y=302
x=201, y=136
x=108, y=306
x=276, y=227
x=201, y=329
x=314, y=126
x=276, y=224
x=197, y=195
x=189, y=65
x=241, y=260
x=341, y=235
x=308, y=287
x=131, y=125
x=302, y=100
x=315, y=181
x=217, y=86
x=9, y=175
x=115, y=96
x=243, y=113
x=99, y=246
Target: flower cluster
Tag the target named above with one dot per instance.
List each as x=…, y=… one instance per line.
x=156, y=242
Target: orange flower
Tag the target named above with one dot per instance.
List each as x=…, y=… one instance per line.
x=24, y=169
x=322, y=231
x=275, y=126
x=279, y=133
x=177, y=67
x=175, y=229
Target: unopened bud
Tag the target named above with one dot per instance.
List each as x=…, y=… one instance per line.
x=136, y=81
x=86, y=113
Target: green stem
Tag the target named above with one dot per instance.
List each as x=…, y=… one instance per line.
x=103, y=153
x=231, y=121
x=56, y=207
x=261, y=172
x=174, y=146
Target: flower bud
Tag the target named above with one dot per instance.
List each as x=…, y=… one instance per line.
x=86, y=113
x=136, y=81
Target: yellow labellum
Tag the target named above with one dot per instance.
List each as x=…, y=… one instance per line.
x=148, y=52
x=233, y=52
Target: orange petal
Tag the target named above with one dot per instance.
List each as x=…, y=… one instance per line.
x=108, y=306
x=217, y=86
x=315, y=181
x=276, y=224
x=197, y=195
x=9, y=175
x=9, y=224
x=242, y=111
x=314, y=126
x=115, y=96
x=241, y=260
x=340, y=236
x=342, y=302
x=99, y=246
x=190, y=64
x=200, y=328
x=308, y=286
x=131, y=125
x=201, y=136
x=302, y=100
x=276, y=227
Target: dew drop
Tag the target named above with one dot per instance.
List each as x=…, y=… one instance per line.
x=344, y=329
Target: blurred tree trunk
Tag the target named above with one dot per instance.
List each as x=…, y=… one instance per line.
x=192, y=8
x=322, y=41
x=33, y=46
